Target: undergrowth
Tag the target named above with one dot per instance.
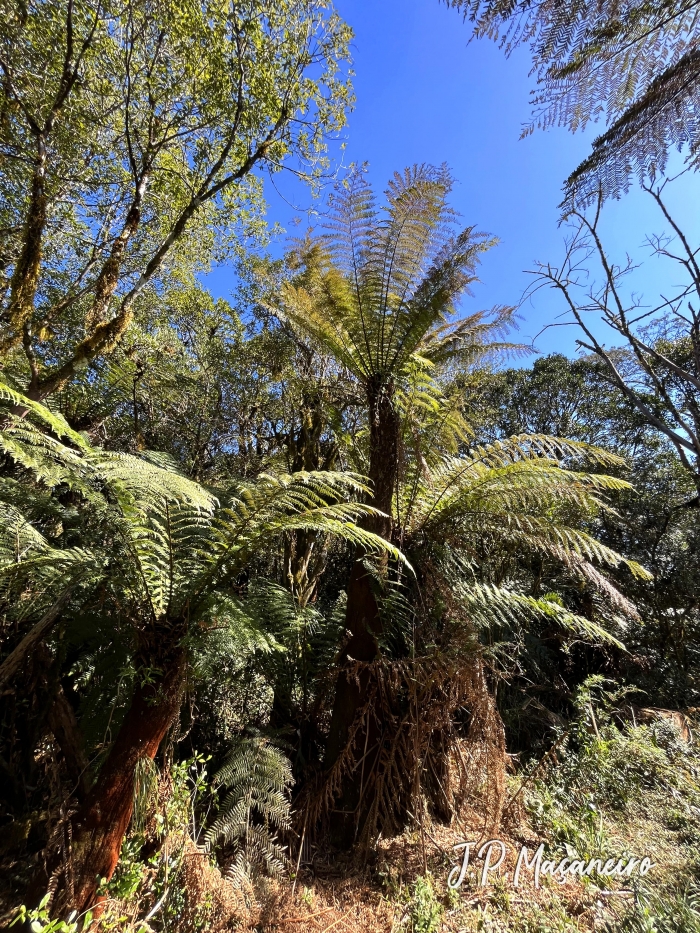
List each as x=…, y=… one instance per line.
x=609, y=788
x=617, y=788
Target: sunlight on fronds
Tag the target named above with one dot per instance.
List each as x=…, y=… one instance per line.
x=492, y=604
x=180, y=538
x=518, y=496
x=636, y=64
x=258, y=512
x=259, y=778
x=18, y=404
x=383, y=283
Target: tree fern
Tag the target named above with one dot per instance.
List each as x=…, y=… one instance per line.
x=168, y=545
x=170, y=553
x=308, y=639
x=382, y=284
x=518, y=497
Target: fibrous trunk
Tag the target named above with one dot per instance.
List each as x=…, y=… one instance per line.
x=362, y=616
x=100, y=824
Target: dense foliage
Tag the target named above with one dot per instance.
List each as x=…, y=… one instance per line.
x=317, y=566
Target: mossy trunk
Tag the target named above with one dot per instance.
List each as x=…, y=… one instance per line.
x=25, y=276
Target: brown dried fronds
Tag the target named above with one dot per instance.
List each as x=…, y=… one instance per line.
x=427, y=734
x=208, y=895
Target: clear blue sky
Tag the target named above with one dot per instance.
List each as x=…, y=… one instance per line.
x=425, y=95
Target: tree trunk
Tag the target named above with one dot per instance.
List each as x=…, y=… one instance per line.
x=102, y=820
x=362, y=616
x=64, y=725
x=25, y=277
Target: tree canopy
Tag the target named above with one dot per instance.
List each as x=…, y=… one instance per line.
x=132, y=161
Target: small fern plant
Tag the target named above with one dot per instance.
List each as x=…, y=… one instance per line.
x=259, y=778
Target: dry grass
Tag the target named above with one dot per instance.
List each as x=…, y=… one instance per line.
x=333, y=893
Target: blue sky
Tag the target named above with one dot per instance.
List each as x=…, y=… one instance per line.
x=424, y=94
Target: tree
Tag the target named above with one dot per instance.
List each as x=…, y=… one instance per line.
x=166, y=564
x=140, y=142
x=187, y=379
x=378, y=292
x=658, y=366
x=501, y=541
x=651, y=523
x=636, y=63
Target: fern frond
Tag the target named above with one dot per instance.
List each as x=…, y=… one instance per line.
x=259, y=778
x=54, y=421
x=489, y=605
x=382, y=284
x=634, y=63
x=32, y=571
x=258, y=513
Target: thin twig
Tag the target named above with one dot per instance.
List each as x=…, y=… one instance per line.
x=301, y=849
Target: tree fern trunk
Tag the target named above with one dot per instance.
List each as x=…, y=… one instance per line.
x=101, y=822
x=362, y=616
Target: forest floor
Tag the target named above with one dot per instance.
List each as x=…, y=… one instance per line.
x=629, y=793
x=612, y=794
x=404, y=887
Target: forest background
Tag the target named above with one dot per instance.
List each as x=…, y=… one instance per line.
x=301, y=552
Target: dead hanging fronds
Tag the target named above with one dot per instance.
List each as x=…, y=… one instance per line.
x=428, y=736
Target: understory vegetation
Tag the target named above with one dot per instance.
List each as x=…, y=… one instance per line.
x=303, y=589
